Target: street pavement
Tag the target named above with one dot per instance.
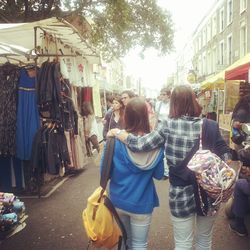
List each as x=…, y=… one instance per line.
x=55, y=222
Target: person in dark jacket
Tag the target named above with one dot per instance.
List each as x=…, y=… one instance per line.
x=114, y=118
x=240, y=206
x=180, y=133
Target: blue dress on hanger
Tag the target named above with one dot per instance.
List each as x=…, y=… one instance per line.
x=27, y=115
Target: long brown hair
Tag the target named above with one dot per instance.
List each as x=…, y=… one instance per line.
x=121, y=110
x=136, y=116
x=183, y=102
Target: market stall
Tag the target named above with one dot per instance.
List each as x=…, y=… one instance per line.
x=49, y=67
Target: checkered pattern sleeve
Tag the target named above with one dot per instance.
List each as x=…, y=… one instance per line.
x=147, y=142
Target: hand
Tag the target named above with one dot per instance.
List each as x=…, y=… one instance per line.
x=237, y=124
x=112, y=132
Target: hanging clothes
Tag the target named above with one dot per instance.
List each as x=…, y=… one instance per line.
x=9, y=75
x=27, y=115
x=49, y=150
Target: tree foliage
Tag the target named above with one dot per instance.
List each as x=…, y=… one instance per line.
x=118, y=25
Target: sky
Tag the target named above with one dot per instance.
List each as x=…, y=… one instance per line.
x=154, y=70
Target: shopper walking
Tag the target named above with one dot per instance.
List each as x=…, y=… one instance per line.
x=179, y=134
x=132, y=189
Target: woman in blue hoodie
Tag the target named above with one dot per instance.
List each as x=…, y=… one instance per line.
x=132, y=190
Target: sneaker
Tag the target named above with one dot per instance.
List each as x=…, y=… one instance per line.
x=239, y=228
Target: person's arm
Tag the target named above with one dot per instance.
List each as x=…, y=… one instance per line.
x=220, y=147
x=106, y=125
x=159, y=170
x=143, y=143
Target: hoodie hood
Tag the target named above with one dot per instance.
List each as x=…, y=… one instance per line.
x=142, y=160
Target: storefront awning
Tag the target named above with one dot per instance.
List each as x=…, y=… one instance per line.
x=239, y=69
x=22, y=34
x=214, y=82
x=238, y=73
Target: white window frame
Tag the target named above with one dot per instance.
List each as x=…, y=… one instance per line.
x=221, y=52
x=229, y=11
x=209, y=31
x=209, y=64
x=214, y=25
x=204, y=36
x=200, y=65
x=243, y=5
x=243, y=49
x=214, y=59
x=204, y=63
x=222, y=19
x=229, y=49
x=200, y=42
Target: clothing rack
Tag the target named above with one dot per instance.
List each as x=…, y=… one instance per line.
x=14, y=59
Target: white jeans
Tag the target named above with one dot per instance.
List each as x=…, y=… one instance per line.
x=137, y=227
x=184, y=232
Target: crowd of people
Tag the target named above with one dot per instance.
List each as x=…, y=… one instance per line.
x=152, y=142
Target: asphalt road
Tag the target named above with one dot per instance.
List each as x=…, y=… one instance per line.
x=55, y=222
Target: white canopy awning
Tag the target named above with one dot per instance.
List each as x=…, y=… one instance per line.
x=23, y=35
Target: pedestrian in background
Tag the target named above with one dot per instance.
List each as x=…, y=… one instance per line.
x=241, y=200
x=179, y=134
x=126, y=95
x=162, y=113
x=132, y=189
x=90, y=128
x=114, y=118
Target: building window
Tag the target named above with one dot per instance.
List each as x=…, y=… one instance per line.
x=221, y=19
x=204, y=37
x=229, y=11
x=208, y=31
x=209, y=63
x=243, y=5
x=204, y=64
x=200, y=45
x=214, y=59
x=221, y=49
x=199, y=65
x=214, y=26
x=229, y=49
x=243, y=39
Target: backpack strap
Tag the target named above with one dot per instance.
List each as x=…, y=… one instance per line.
x=105, y=176
x=112, y=209
x=107, y=162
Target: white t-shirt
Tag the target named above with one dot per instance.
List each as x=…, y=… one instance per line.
x=162, y=110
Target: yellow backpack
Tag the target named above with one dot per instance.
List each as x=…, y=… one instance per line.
x=100, y=219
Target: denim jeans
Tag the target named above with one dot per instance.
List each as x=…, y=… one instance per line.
x=241, y=197
x=184, y=232
x=137, y=227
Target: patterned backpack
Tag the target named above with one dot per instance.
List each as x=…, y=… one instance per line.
x=215, y=177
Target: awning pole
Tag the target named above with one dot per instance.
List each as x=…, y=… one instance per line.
x=35, y=48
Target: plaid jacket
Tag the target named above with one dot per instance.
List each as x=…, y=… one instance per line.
x=179, y=136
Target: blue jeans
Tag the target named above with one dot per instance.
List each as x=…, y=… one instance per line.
x=184, y=232
x=137, y=227
x=241, y=198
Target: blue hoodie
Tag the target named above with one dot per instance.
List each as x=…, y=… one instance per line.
x=131, y=186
